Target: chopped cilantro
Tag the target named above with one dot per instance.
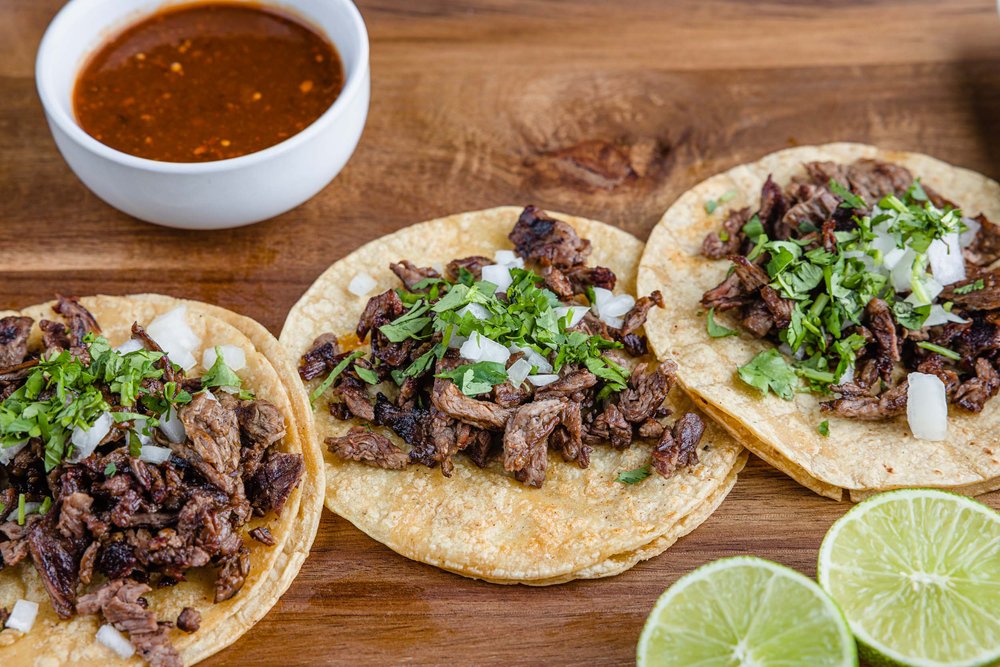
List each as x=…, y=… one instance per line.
x=824, y=428
x=220, y=374
x=477, y=378
x=337, y=370
x=366, y=374
x=710, y=206
x=971, y=287
x=753, y=228
x=716, y=330
x=635, y=476
x=769, y=371
x=20, y=509
x=110, y=469
x=851, y=200
x=45, y=506
x=910, y=316
x=943, y=351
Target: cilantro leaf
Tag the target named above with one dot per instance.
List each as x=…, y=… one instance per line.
x=710, y=206
x=635, y=476
x=910, y=316
x=768, y=371
x=716, y=330
x=337, y=370
x=110, y=469
x=824, y=428
x=220, y=374
x=408, y=325
x=753, y=228
x=366, y=374
x=971, y=287
x=851, y=200
x=477, y=378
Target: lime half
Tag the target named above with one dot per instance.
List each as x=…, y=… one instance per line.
x=917, y=573
x=745, y=611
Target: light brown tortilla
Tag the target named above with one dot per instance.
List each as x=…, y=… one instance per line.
x=483, y=523
x=268, y=373
x=858, y=456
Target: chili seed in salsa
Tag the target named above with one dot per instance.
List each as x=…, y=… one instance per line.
x=204, y=82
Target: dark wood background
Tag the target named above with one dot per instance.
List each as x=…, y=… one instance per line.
x=605, y=109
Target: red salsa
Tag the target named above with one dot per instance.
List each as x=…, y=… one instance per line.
x=202, y=82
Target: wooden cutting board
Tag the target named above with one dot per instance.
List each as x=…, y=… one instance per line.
x=605, y=109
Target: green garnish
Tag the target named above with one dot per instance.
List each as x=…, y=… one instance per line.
x=710, y=206
x=851, y=200
x=713, y=204
x=971, y=287
x=220, y=374
x=45, y=506
x=769, y=371
x=366, y=374
x=943, y=351
x=716, y=330
x=110, y=469
x=824, y=428
x=753, y=228
x=635, y=476
x=20, y=509
x=477, y=378
x=337, y=370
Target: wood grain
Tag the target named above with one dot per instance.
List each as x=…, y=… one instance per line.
x=608, y=110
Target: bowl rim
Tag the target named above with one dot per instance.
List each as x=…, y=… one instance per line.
x=59, y=115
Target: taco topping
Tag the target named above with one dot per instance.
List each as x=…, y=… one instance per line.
x=119, y=468
x=504, y=357
x=865, y=278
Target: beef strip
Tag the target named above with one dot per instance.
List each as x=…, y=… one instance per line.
x=678, y=447
x=874, y=179
x=572, y=384
x=557, y=281
x=321, y=357
x=636, y=317
x=973, y=394
x=379, y=310
x=548, y=241
x=361, y=444
x=779, y=307
x=189, y=620
x=122, y=604
x=412, y=424
x=507, y=395
x=582, y=277
x=447, y=398
x=567, y=437
x=714, y=247
x=816, y=204
x=263, y=535
x=987, y=298
x=728, y=294
x=275, y=479
x=14, y=332
x=81, y=321
x=261, y=427
x=773, y=207
x=214, y=440
x=57, y=561
x=879, y=319
x=411, y=274
x=232, y=575
x=525, y=440
x=857, y=403
x=750, y=275
x=646, y=391
x=357, y=401
x=473, y=265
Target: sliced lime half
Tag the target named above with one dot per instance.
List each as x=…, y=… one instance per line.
x=917, y=573
x=748, y=612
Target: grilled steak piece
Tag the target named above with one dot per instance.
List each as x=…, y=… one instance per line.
x=81, y=322
x=678, y=447
x=878, y=319
x=263, y=535
x=214, y=436
x=985, y=247
x=646, y=391
x=567, y=437
x=525, y=440
x=973, y=394
x=857, y=403
x=360, y=444
x=357, y=401
x=473, y=265
x=635, y=318
x=261, y=427
x=122, y=604
x=728, y=294
x=189, y=620
x=773, y=207
x=557, y=281
x=573, y=384
x=321, y=357
x=14, y=332
x=987, y=298
x=714, y=247
x=232, y=576
x=274, y=481
x=411, y=274
x=874, y=179
x=581, y=277
x=379, y=310
x=447, y=398
x=548, y=241
x=57, y=560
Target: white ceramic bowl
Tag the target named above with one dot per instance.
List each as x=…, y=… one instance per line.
x=203, y=195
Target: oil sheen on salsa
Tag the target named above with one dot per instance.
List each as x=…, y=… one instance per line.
x=207, y=81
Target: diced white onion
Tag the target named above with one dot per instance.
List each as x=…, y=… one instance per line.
x=7, y=454
x=927, y=407
x=542, y=380
x=613, y=322
x=518, y=371
x=210, y=396
x=601, y=296
x=232, y=356
x=85, y=441
x=533, y=358
x=931, y=290
x=361, y=284
x=154, y=454
x=499, y=275
x=617, y=306
x=884, y=241
x=31, y=507
x=901, y=271
x=939, y=315
x=139, y=426
x=576, y=314
x=176, y=337
x=480, y=348
x=172, y=427
x=478, y=311
x=456, y=341
x=109, y=636
x=969, y=235
x=891, y=258
x=848, y=375
x=22, y=616
x=131, y=345
x=508, y=258
x=947, y=262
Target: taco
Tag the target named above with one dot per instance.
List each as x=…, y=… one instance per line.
x=837, y=308
x=482, y=386
x=160, y=485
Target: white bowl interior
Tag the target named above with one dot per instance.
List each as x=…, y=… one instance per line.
x=83, y=26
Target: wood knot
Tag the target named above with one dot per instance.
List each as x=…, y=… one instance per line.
x=597, y=165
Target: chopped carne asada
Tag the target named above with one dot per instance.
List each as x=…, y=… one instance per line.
x=859, y=272
x=502, y=359
x=138, y=473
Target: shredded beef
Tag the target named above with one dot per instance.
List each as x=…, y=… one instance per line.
x=261, y=427
x=678, y=447
x=14, y=332
x=858, y=403
x=321, y=357
x=571, y=385
x=57, y=561
x=973, y=394
x=447, y=398
x=263, y=535
x=985, y=247
x=473, y=265
x=986, y=298
x=214, y=435
x=525, y=440
x=646, y=391
x=189, y=620
x=548, y=241
x=361, y=444
x=275, y=479
x=379, y=310
x=636, y=317
x=122, y=604
x=232, y=575
x=714, y=247
x=411, y=274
